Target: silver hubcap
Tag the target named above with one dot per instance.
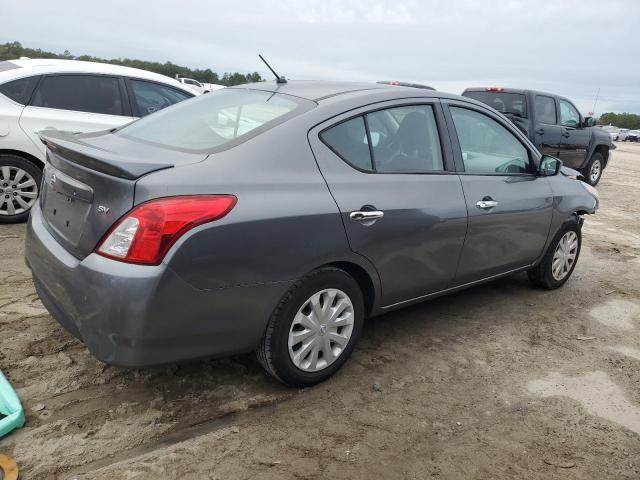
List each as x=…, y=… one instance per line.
x=565, y=255
x=18, y=191
x=321, y=330
x=595, y=171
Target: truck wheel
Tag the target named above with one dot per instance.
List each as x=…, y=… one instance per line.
x=593, y=172
x=561, y=258
x=19, y=187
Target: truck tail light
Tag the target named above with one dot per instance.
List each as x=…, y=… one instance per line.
x=146, y=233
x=495, y=89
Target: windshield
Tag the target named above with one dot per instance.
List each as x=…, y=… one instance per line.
x=215, y=121
x=513, y=103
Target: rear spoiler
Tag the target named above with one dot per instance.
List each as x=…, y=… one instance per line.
x=71, y=147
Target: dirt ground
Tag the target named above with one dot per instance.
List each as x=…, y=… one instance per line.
x=500, y=381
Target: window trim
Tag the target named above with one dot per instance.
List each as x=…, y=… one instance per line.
x=555, y=107
x=441, y=127
x=135, y=112
x=534, y=159
x=123, y=99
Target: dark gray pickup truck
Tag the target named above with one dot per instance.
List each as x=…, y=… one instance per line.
x=554, y=125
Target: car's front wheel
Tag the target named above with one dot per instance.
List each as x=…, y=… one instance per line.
x=19, y=187
x=313, y=330
x=561, y=258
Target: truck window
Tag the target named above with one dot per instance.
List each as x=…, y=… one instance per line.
x=511, y=103
x=569, y=116
x=545, y=109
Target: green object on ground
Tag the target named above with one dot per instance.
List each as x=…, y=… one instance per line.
x=10, y=407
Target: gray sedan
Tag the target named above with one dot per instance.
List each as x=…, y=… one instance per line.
x=275, y=218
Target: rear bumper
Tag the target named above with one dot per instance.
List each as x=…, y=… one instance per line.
x=134, y=315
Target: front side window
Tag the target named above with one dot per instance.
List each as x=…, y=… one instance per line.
x=215, y=121
x=151, y=97
x=403, y=140
x=488, y=147
x=19, y=90
x=80, y=93
x=545, y=109
x=569, y=116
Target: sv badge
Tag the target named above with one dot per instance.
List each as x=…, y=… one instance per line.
x=103, y=209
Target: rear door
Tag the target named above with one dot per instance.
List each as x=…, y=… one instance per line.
x=75, y=103
x=401, y=201
x=509, y=206
x=547, y=133
x=575, y=137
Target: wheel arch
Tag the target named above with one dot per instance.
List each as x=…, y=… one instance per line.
x=27, y=156
x=604, y=151
x=364, y=280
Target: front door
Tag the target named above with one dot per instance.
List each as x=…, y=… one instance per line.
x=75, y=103
x=401, y=202
x=547, y=133
x=509, y=206
x=575, y=137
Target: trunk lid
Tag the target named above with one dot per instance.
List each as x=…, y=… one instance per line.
x=89, y=183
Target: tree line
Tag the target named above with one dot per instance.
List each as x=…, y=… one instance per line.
x=622, y=120
x=15, y=50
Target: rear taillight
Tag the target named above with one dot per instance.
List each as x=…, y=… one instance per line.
x=146, y=233
x=495, y=89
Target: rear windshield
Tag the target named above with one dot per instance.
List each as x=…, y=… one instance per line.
x=4, y=66
x=215, y=121
x=512, y=103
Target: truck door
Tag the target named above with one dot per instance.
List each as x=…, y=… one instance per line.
x=575, y=137
x=547, y=134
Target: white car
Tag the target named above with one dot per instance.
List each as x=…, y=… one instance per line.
x=612, y=130
x=197, y=86
x=622, y=134
x=45, y=94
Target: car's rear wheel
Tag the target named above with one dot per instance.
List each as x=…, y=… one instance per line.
x=19, y=187
x=313, y=330
x=593, y=172
x=561, y=258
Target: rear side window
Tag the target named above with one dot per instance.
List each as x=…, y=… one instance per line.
x=403, y=140
x=511, y=103
x=216, y=121
x=19, y=90
x=151, y=97
x=545, y=109
x=80, y=93
x=349, y=140
x=487, y=147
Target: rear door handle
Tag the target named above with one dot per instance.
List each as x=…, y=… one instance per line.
x=486, y=204
x=363, y=216
x=540, y=131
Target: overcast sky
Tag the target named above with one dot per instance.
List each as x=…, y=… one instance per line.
x=569, y=47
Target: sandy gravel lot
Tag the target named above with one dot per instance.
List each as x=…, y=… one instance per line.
x=500, y=381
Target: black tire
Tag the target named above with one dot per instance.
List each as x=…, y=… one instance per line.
x=596, y=157
x=273, y=352
x=542, y=274
x=9, y=160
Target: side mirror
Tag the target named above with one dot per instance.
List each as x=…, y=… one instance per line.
x=549, y=166
x=589, y=122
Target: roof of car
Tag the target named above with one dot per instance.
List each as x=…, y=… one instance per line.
x=38, y=66
x=317, y=90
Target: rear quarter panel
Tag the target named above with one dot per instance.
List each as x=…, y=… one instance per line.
x=284, y=224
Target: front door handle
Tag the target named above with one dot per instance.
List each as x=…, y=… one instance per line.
x=486, y=204
x=566, y=134
x=363, y=216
